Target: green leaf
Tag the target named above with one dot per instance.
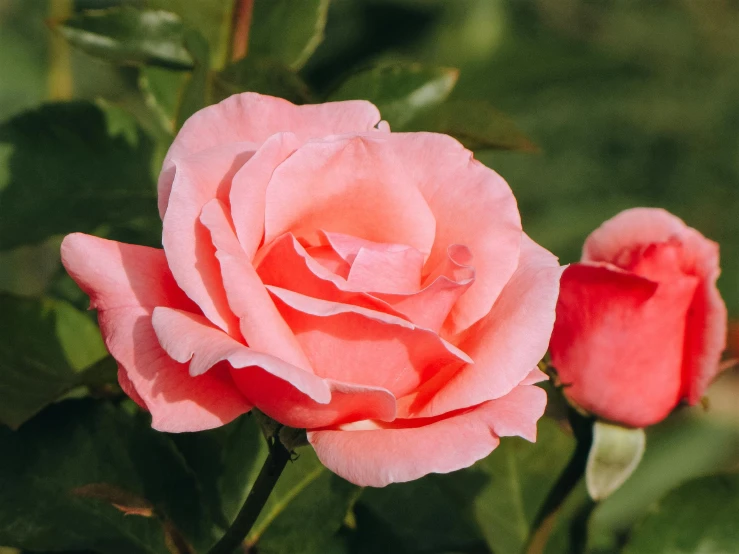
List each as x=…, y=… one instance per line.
x=305, y=510
x=76, y=444
x=78, y=336
x=287, y=30
x=130, y=36
x=491, y=505
x=195, y=93
x=161, y=89
x=689, y=444
x=227, y=461
x=700, y=516
x=44, y=347
x=261, y=75
x=28, y=270
x=475, y=123
x=434, y=513
x=521, y=475
x=614, y=455
x=210, y=18
x=67, y=173
x=400, y=90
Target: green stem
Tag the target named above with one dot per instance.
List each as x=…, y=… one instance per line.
x=582, y=428
x=247, y=516
x=579, y=527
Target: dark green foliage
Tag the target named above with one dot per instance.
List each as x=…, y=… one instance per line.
x=699, y=516
x=130, y=36
x=65, y=172
x=79, y=443
x=47, y=348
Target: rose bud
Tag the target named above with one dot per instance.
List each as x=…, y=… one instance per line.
x=640, y=323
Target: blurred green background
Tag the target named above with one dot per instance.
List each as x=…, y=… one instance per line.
x=628, y=103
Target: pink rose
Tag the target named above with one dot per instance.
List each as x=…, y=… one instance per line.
x=374, y=288
x=640, y=322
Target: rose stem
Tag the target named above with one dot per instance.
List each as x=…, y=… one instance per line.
x=582, y=428
x=240, y=28
x=269, y=474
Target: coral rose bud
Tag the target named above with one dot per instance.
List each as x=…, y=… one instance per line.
x=640, y=323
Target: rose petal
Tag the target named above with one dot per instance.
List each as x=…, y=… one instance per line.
x=253, y=118
x=328, y=258
x=129, y=389
x=287, y=393
x=706, y=328
x=387, y=271
x=630, y=228
x=406, y=450
x=535, y=376
x=430, y=306
x=125, y=283
x=249, y=189
x=473, y=206
x=187, y=337
x=378, y=267
x=118, y=275
x=190, y=253
x=286, y=264
x=505, y=345
x=282, y=402
x=618, y=341
x=364, y=346
x=705, y=340
x=260, y=323
x=356, y=186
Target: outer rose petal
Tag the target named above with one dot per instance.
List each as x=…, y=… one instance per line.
x=287, y=393
x=536, y=376
x=706, y=329
x=190, y=252
x=408, y=449
x=188, y=337
x=118, y=275
x=618, y=341
x=473, y=206
x=125, y=283
x=705, y=337
x=129, y=389
x=505, y=345
x=354, y=185
x=253, y=118
x=629, y=229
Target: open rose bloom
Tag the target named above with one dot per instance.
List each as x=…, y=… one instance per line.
x=374, y=288
x=640, y=322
